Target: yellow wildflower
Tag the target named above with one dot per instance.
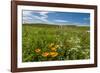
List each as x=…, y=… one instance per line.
x=37, y=50
x=45, y=54
x=52, y=44
x=56, y=46
x=53, y=54
x=53, y=49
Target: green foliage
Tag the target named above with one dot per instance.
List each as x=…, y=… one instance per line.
x=49, y=43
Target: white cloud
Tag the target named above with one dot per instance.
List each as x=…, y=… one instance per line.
x=43, y=12
x=40, y=18
x=61, y=21
x=27, y=13
x=28, y=16
x=44, y=15
x=86, y=18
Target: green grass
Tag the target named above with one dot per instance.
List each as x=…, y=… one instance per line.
x=39, y=41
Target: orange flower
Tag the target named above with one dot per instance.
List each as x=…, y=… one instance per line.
x=45, y=54
x=53, y=49
x=53, y=54
x=37, y=50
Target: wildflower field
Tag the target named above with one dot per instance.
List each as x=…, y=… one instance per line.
x=44, y=42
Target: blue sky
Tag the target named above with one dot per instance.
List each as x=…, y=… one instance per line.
x=53, y=17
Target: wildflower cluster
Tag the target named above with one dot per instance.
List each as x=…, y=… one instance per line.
x=51, y=53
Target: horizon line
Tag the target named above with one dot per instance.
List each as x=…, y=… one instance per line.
x=57, y=24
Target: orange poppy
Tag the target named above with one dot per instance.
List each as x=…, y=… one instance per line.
x=37, y=50
x=45, y=54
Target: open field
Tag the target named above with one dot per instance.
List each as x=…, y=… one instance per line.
x=44, y=42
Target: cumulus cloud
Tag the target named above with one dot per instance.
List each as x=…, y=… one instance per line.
x=44, y=14
x=29, y=16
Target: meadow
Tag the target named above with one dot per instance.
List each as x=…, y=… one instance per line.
x=45, y=42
